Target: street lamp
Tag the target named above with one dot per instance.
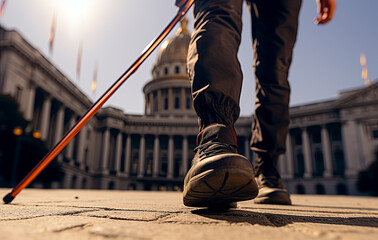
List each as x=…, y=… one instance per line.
x=19, y=133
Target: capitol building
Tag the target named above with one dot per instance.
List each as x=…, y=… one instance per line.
x=329, y=142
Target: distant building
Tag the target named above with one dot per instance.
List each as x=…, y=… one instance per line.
x=329, y=142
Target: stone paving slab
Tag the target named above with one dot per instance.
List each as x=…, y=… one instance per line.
x=101, y=214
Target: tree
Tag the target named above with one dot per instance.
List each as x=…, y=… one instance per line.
x=31, y=150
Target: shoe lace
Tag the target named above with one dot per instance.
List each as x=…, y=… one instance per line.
x=211, y=149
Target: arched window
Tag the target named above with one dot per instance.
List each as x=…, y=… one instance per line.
x=111, y=185
x=341, y=189
x=319, y=189
x=300, y=189
x=131, y=186
x=166, y=71
x=177, y=69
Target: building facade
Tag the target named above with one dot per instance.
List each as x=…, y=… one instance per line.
x=328, y=144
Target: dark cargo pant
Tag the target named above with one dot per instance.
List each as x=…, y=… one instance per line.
x=215, y=71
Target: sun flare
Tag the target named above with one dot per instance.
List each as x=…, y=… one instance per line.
x=74, y=10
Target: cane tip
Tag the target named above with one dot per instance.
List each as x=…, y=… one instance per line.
x=8, y=198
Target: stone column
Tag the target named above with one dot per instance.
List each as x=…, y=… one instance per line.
x=185, y=155
x=145, y=104
x=45, y=117
x=118, y=153
x=326, y=145
x=289, y=157
x=155, y=171
x=170, y=157
x=307, y=153
x=142, y=153
x=29, y=104
x=59, y=128
x=367, y=147
x=152, y=104
x=70, y=145
x=81, y=146
x=170, y=99
x=128, y=155
x=159, y=100
x=105, y=151
x=350, y=146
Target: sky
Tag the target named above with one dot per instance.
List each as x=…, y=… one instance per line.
x=113, y=33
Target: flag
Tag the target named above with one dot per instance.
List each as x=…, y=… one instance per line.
x=78, y=65
x=364, y=73
x=2, y=7
x=94, y=82
x=52, y=34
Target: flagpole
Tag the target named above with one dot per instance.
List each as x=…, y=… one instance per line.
x=52, y=34
x=2, y=7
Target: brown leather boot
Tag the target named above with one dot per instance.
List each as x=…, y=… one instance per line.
x=219, y=176
x=271, y=188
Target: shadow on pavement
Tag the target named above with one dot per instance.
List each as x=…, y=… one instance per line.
x=280, y=220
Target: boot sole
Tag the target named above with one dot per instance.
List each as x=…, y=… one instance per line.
x=220, y=186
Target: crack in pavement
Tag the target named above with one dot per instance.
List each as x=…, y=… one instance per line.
x=108, y=209
x=156, y=219
x=79, y=226
x=73, y=213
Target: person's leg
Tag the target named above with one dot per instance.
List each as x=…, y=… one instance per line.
x=274, y=31
x=219, y=175
x=213, y=67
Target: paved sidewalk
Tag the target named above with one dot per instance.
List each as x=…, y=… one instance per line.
x=92, y=214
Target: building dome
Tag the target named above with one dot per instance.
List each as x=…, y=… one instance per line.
x=169, y=93
x=176, y=48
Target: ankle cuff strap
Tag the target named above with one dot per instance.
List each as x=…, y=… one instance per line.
x=229, y=127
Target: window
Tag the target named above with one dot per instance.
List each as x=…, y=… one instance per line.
x=339, y=166
x=319, y=189
x=341, y=189
x=166, y=103
x=177, y=103
x=300, y=189
x=177, y=69
x=111, y=185
x=298, y=139
x=319, y=164
x=335, y=132
x=299, y=165
x=316, y=138
x=149, y=163
x=166, y=71
x=188, y=103
x=375, y=134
